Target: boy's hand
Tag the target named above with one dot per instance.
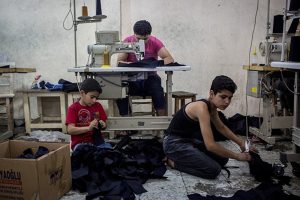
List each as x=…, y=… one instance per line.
x=93, y=124
x=253, y=149
x=102, y=124
x=244, y=156
x=246, y=146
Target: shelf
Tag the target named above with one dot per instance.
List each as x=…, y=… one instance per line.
x=259, y=68
x=293, y=12
x=17, y=70
x=279, y=34
x=286, y=65
x=96, y=18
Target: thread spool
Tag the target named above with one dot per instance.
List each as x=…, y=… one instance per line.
x=294, y=49
x=294, y=5
x=278, y=24
x=98, y=7
x=84, y=11
x=106, y=57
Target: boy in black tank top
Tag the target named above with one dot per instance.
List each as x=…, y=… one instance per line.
x=189, y=142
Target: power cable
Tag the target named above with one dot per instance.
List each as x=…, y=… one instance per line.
x=249, y=54
x=292, y=91
x=69, y=12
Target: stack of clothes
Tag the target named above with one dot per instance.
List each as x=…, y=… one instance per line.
x=117, y=173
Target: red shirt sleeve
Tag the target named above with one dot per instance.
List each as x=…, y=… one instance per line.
x=102, y=113
x=71, y=115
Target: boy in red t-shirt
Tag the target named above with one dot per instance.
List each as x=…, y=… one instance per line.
x=86, y=117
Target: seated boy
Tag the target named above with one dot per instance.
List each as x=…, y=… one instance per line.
x=189, y=142
x=86, y=117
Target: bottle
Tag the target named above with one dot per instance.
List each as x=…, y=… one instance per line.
x=254, y=57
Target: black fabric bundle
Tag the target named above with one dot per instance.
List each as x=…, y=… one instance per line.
x=265, y=191
x=237, y=123
x=116, y=174
x=149, y=63
x=97, y=135
x=260, y=169
x=28, y=153
x=68, y=86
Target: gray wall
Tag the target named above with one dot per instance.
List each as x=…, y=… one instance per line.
x=212, y=36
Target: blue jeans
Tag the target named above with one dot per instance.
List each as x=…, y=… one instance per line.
x=148, y=87
x=190, y=156
x=104, y=145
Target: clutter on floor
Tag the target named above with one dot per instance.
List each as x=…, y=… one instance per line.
x=178, y=185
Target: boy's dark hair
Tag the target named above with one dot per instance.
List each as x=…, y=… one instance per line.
x=89, y=85
x=223, y=83
x=142, y=27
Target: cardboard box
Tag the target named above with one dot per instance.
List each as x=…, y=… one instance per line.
x=48, y=177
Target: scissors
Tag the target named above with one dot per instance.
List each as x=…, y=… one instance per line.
x=247, y=145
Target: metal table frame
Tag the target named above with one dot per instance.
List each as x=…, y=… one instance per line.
x=285, y=157
x=137, y=123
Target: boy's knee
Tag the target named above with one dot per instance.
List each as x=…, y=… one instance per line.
x=212, y=172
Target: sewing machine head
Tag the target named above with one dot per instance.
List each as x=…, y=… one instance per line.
x=107, y=44
x=271, y=50
x=138, y=48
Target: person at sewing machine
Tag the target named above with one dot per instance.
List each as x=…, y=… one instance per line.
x=189, y=142
x=145, y=84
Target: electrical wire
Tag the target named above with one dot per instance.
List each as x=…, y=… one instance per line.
x=78, y=81
x=88, y=60
x=109, y=81
x=292, y=91
x=69, y=12
x=249, y=54
x=260, y=95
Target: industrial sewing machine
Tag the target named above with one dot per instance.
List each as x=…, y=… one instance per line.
x=107, y=44
x=265, y=82
x=271, y=51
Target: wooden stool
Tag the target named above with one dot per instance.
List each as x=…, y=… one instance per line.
x=45, y=120
x=181, y=96
x=72, y=97
x=139, y=100
x=6, y=100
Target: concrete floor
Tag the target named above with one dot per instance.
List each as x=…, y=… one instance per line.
x=178, y=185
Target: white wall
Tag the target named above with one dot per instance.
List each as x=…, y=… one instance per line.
x=212, y=36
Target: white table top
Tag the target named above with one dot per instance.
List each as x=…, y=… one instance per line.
x=286, y=65
x=129, y=69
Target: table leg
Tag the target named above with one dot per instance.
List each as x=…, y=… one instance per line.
x=27, y=115
x=169, y=84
